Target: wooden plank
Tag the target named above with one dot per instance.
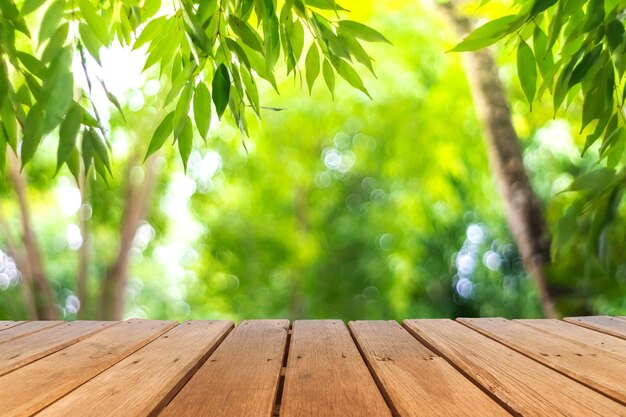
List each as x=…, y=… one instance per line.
x=326, y=375
x=31, y=388
x=241, y=376
x=26, y=329
x=593, y=367
x=144, y=382
x=414, y=380
x=27, y=349
x=605, y=324
x=7, y=324
x=579, y=334
x=522, y=385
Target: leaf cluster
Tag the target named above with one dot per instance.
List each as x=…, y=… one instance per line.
x=574, y=49
x=213, y=52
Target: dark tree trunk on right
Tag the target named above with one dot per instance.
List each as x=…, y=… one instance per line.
x=523, y=209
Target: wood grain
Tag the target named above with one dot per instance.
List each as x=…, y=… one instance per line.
x=523, y=385
x=33, y=387
x=6, y=324
x=241, y=378
x=24, y=329
x=24, y=350
x=326, y=375
x=579, y=334
x=605, y=324
x=593, y=367
x=415, y=381
x=144, y=382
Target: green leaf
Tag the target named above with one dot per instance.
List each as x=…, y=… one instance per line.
x=584, y=65
x=8, y=125
x=312, y=65
x=30, y=6
x=185, y=141
x=544, y=57
x=540, y=6
x=33, y=133
x=221, y=89
x=68, y=133
x=73, y=163
x=51, y=20
x=162, y=132
x=348, y=73
x=361, y=31
x=95, y=21
x=202, y=109
x=56, y=43
x=488, y=34
x=3, y=150
x=245, y=32
x=5, y=84
x=90, y=40
x=32, y=64
x=182, y=107
x=592, y=106
x=329, y=77
x=324, y=4
x=594, y=16
x=150, y=32
x=614, y=34
x=590, y=180
x=527, y=71
x=251, y=89
x=87, y=151
x=101, y=149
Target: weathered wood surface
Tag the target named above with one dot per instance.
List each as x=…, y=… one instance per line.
x=406, y=371
x=326, y=375
x=615, y=326
x=522, y=385
x=261, y=368
x=241, y=376
x=604, y=371
x=31, y=388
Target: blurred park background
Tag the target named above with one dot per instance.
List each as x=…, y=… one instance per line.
x=351, y=207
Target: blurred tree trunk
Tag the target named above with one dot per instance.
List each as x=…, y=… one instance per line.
x=25, y=285
x=40, y=294
x=83, y=252
x=523, y=208
x=138, y=196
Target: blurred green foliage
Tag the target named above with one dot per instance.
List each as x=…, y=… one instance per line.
x=352, y=208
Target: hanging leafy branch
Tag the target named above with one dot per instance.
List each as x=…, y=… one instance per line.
x=214, y=52
x=574, y=48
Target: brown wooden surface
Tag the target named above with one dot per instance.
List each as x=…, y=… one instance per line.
x=524, y=386
x=6, y=324
x=24, y=350
x=415, y=381
x=242, y=375
x=326, y=375
x=596, y=368
x=579, y=334
x=260, y=368
x=145, y=381
x=609, y=325
x=31, y=388
x=25, y=328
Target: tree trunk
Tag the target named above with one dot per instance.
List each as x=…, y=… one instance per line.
x=523, y=208
x=44, y=297
x=137, y=203
x=83, y=253
x=26, y=286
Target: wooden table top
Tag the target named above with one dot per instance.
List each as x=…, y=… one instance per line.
x=424, y=367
